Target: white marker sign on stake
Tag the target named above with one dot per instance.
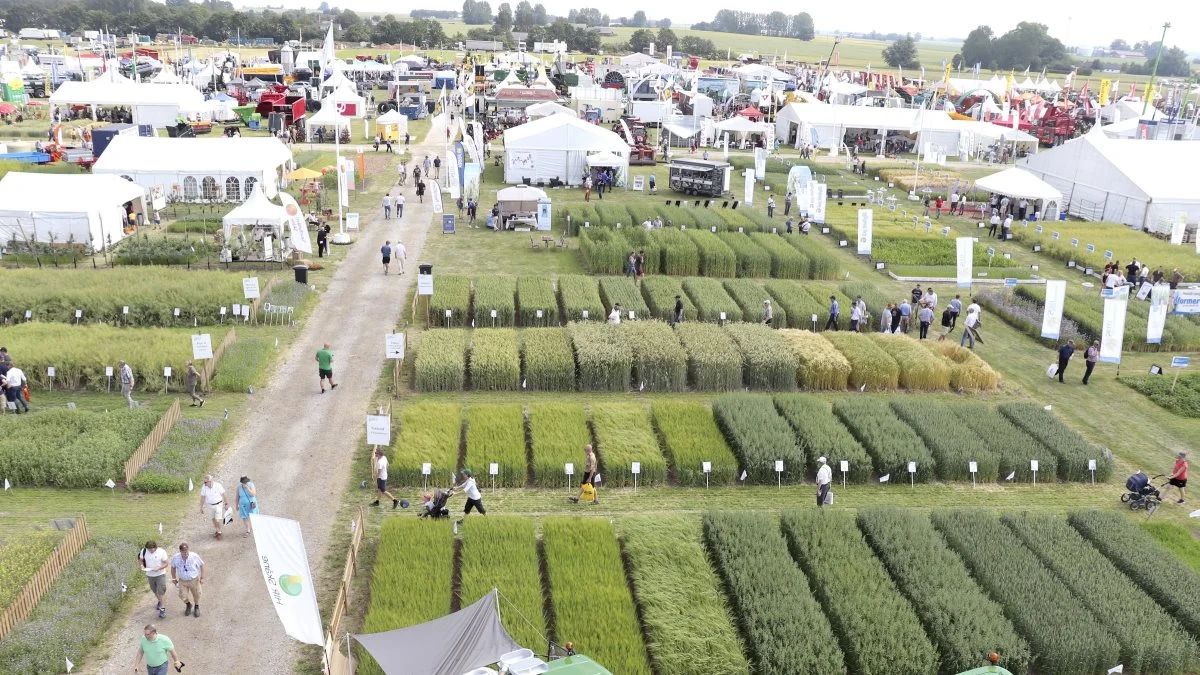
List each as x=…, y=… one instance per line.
x=393, y=345
x=844, y=465
x=202, y=347
x=974, y=468
x=912, y=473
x=1056, y=295
x=1092, y=469
x=250, y=288
x=1033, y=466
x=379, y=429
x=866, y=220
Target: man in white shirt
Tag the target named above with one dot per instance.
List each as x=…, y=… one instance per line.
x=14, y=380
x=399, y=207
x=127, y=382
x=379, y=468
x=387, y=206
x=995, y=223
x=768, y=312
x=399, y=255
x=154, y=563
x=1006, y=229
x=474, y=499
x=971, y=323
x=855, y=314
x=212, y=503
x=187, y=573
x=953, y=202
x=614, y=317
x=930, y=298
x=824, y=476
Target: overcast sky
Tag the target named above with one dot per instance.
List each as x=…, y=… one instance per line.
x=1080, y=25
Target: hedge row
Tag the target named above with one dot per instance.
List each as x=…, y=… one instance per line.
x=890, y=442
x=1064, y=442
x=759, y=437
x=625, y=435
x=822, y=435
x=690, y=437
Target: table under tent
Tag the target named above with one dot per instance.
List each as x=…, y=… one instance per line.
x=519, y=206
x=255, y=231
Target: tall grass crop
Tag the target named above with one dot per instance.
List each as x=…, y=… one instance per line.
x=578, y=294
x=679, y=254
x=494, y=293
x=429, y=433
x=501, y=552
x=1011, y=445
x=968, y=372
x=822, y=435
x=752, y=260
x=592, y=604
x=952, y=443
x=685, y=614
x=690, y=436
x=767, y=358
x=623, y=291
x=496, y=434
x=890, y=442
x=441, y=363
x=876, y=300
x=819, y=364
x=659, y=361
x=782, y=624
x=604, y=251
x=625, y=435
x=798, y=303
x=821, y=263
x=717, y=259
x=1072, y=451
x=711, y=299
x=659, y=294
x=870, y=366
x=557, y=432
x=714, y=361
x=548, y=358
x=648, y=244
x=750, y=295
x=919, y=369
x=759, y=437
x=71, y=448
x=603, y=355
x=495, y=359
x=536, y=294
x=786, y=262
x=450, y=293
x=21, y=557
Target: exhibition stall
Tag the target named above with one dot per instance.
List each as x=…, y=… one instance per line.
x=825, y=126
x=81, y=209
x=158, y=105
x=1016, y=183
x=556, y=147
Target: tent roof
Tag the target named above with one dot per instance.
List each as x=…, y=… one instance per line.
x=548, y=108
x=867, y=117
x=1017, y=182
x=130, y=154
x=391, y=117
x=454, y=644
x=64, y=193
x=337, y=79
x=994, y=131
x=99, y=92
x=256, y=209
x=750, y=111
x=520, y=193
x=604, y=158
x=166, y=76
x=739, y=124
x=563, y=132
x=1150, y=167
x=328, y=116
x=638, y=59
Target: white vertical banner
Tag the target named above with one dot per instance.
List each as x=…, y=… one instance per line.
x=818, y=211
x=1177, y=229
x=966, y=260
x=343, y=178
x=1160, y=298
x=1112, y=337
x=290, y=583
x=451, y=171
x=760, y=163
x=1056, y=295
x=435, y=196
x=297, y=228
x=748, y=197
x=810, y=199
x=866, y=221
x=725, y=147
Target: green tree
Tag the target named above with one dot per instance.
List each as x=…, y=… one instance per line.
x=663, y=23
x=665, y=37
x=1174, y=63
x=523, y=16
x=539, y=15
x=802, y=27
x=902, y=53
x=978, y=48
x=476, y=13
x=640, y=40
x=1029, y=45
x=639, y=19
x=1119, y=45
x=504, y=19
x=699, y=47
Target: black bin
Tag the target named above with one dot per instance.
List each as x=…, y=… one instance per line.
x=301, y=272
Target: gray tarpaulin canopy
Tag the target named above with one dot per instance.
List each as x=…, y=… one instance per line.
x=470, y=638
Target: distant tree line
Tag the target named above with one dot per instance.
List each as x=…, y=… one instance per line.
x=444, y=14
x=799, y=26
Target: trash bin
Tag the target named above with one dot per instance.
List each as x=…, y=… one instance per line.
x=301, y=274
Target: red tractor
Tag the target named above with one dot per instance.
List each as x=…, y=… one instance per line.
x=1056, y=127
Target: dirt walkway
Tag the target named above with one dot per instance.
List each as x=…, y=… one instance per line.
x=297, y=445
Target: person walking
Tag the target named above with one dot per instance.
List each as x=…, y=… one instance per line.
x=955, y=310
x=1090, y=357
x=995, y=223
x=212, y=503
x=770, y=207
x=856, y=313
x=589, y=474
x=14, y=383
x=1064, y=357
x=193, y=383
x=154, y=564
x=157, y=651
x=322, y=240
x=614, y=316
x=399, y=203
x=324, y=361
x=925, y=316
x=247, y=502
x=885, y=319
x=970, y=325
x=895, y=317
x=824, y=476
x=768, y=312
x=678, y=317
x=474, y=498
x=127, y=383
x=905, y=317
x=1178, y=478
x=937, y=205
x=437, y=163
x=187, y=574
x=832, y=323
x=385, y=252
x=400, y=254
x=916, y=294
x=379, y=469
x=787, y=203
x=387, y=206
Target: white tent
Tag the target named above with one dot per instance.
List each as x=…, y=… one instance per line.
x=158, y=105
x=1141, y=183
x=637, y=60
x=64, y=208
x=327, y=116
x=336, y=80
x=605, y=158
x=257, y=210
x=557, y=147
x=346, y=102
x=740, y=124
x=1018, y=183
x=194, y=169
x=166, y=76
x=548, y=108
x=824, y=126
x=393, y=119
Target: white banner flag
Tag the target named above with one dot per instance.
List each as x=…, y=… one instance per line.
x=725, y=148
x=1056, y=295
x=1177, y=229
x=760, y=163
x=1112, y=338
x=1160, y=298
x=748, y=197
x=290, y=583
x=343, y=180
x=866, y=220
x=966, y=260
x=297, y=228
x=818, y=209
x=435, y=195
x=451, y=169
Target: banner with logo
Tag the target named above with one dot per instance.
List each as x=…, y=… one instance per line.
x=748, y=196
x=297, y=228
x=435, y=196
x=1056, y=295
x=760, y=163
x=1187, y=301
x=1112, y=336
x=460, y=156
x=1160, y=298
x=543, y=214
x=344, y=176
x=451, y=170
x=966, y=260
x=1105, y=91
x=290, y=584
x=866, y=220
x=817, y=215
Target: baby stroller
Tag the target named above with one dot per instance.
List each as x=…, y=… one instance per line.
x=1142, y=494
x=436, y=507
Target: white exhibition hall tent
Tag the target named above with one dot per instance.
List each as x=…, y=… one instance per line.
x=84, y=209
x=557, y=147
x=345, y=99
x=824, y=126
x=256, y=210
x=198, y=170
x=1017, y=183
x=157, y=105
x=547, y=108
x=739, y=124
x=1142, y=183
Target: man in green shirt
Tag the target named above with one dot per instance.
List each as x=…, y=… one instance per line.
x=156, y=649
x=325, y=367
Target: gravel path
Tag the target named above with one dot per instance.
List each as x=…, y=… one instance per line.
x=297, y=445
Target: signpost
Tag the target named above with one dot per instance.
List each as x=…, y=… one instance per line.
x=1178, y=363
x=250, y=288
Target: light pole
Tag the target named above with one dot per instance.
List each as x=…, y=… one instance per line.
x=1162, y=44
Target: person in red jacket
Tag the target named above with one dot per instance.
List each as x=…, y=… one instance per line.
x=1178, y=478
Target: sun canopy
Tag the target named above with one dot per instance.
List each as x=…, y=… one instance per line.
x=741, y=125
x=470, y=638
x=605, y=158
x=520, y=193
x=392, y=117
x=84, y=209
x=256, y=210
x=1019, y=183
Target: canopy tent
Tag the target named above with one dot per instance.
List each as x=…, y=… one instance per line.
x=336, y=79
x=198, y=170
x=392, y=124
x=519, y=200
x=158, y=105
x=557, y=147
x=758, y=71
x=1018, y=183
x=64, y=208
x=981, y=135
x=327, y=116
x=1136, y=182
x=739, y=124
x=751, y=112
x=166, y=76
x=965, y=85
x=256, y=211
x=638, y=60
x=605, y=158
x=548, y=108
x=346, y=102
x=470, y=638
x=824, y=126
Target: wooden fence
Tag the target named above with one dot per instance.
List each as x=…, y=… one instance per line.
x=210, y=366
x=33, y=591
x=157, y=435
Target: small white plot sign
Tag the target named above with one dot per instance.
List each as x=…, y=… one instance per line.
x=973, y=467
x=202, y=347
x=426, y=468
x=844, y=466
x=108, y=371
x=706, y=467
x=394, y=345
x=569, y=469
x=379, y=431
x=493, y=469
x=250, y=288
x=912, y=467
x=167, y=371
x=779, y=466
x=424, y=284
x=635, y=468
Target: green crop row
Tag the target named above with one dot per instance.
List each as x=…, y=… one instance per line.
x=752, y=298
x=927, y=251
x=580, y=294
x=821, y=263
x=876, y=625
x=548, y=359
x=604, y=251
x=496, y=435
x=494, y=294
x=954, y=446
x=1172, y=584
x=1012, y=447
x=691, y=437
x=659, y=360
x=495, y=359
x=711, y=300
x=783, y=626
x=958, y=616
x=717, y=259
x=870, y=366
x=876, y=300
x=1065, y=636
x=536, y=294
x=623, y=291
x=821, y=435
x=181, y=457
x=752, y=259
x=603, y=356
x=593, y=608
x=714, y=362
x=1155, y=643
x=625, y=435
x=685, y=614
x=647, y=244
x=429, y=433
x=441, y=363
x=679, y=255
x=1181, y=397
x=71, y=448
x=759, y=437
x=21, y=556
x=786, y=262
x=557, y=432
x=501, y=552
x=660, y=293
x=819, y=364
x=890, y=442
x=451, y=294
x=1072, y=451
x=798, y=303
x=767, y=358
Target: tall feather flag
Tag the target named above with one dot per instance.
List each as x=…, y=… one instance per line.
x=327, y=51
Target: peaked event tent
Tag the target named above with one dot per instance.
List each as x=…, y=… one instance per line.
x=85, y=209
x=547, y=108
x=327, y=116
x=1019, y=183
x=256, y=210
x=751, y=112
x=1144, y=184
x=557, y=147
x=470, y=638
x=198, y=169
x=824, y=126
x=393, y=123
x=158, y=105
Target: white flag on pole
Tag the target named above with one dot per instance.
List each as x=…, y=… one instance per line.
x=1011, y=476
x=885, y=478
x=289, y=580
x=1056, y=295
x=191, y=486
x=1112, y=336
x=70, y=666
x=1119, y=668
x=110, y=484
x=7, y=485
x=743, y=475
